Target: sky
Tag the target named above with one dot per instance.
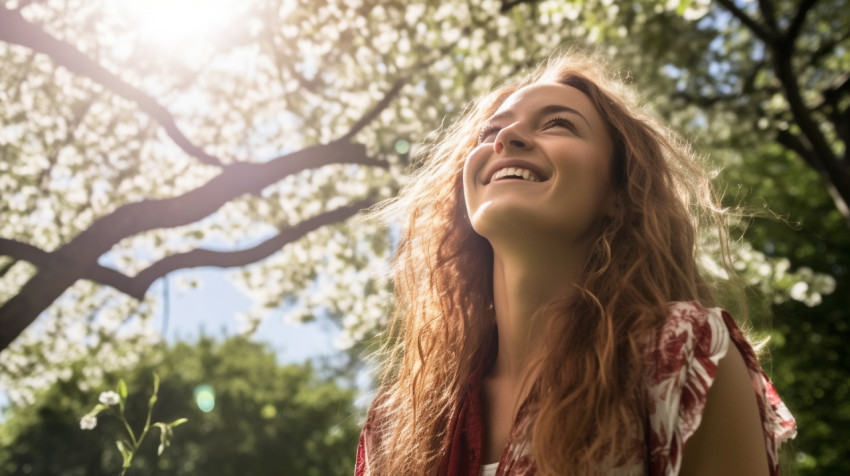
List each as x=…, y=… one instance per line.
x=212, y=307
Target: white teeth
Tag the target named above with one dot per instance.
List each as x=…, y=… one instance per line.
x=518, y=172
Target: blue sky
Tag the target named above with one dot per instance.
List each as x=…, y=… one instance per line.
x=212, y=307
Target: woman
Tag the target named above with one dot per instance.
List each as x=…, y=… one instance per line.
x=551, y=315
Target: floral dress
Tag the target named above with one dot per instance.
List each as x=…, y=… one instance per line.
x=679, y=372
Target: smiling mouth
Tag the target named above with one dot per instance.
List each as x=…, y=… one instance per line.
x=514, y=173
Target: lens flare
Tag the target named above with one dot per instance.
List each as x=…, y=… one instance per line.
x=205, y=397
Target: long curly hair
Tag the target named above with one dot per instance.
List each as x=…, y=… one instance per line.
x=444, y=328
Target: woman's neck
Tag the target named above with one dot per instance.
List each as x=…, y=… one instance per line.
x=523, y=283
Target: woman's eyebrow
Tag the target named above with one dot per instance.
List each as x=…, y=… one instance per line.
x=545, y=111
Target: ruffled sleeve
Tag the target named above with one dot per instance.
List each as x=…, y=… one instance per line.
x=682, y=366
x=360, y=462
x=369, y=438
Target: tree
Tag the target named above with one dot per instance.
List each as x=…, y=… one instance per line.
x=802, y=63
x=267, y=418
x=104, y=121
x=77, y=259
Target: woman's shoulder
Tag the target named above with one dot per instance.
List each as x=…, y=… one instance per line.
x=681, y=366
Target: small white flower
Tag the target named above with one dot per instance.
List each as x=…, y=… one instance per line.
x=88, y=422
x=109, y=398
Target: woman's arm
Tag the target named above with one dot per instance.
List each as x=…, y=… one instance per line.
x=729, y=439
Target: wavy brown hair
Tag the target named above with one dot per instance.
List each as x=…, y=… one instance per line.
x=444, y=329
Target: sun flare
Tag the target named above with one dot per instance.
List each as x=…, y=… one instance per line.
x=174, y=22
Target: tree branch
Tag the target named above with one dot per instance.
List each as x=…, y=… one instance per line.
x=6, y=267
x=831, y=175
x=20, y=251
x=115, y=279
x=841, y=121
x=24, y=251
x=769, y=14
x=375, y=111
x=137, y=286
x=507, y=5
x=34, y=296
x=754, y=26
x=798, y=20
x=16, y=30
x=234, y=180
x=793, y=142
x=78, y=258
x=801, y=113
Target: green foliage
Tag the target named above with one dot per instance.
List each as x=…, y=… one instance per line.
x=267, y=419
x=807, y=342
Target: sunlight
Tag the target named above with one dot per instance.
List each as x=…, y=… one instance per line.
x=173, y=22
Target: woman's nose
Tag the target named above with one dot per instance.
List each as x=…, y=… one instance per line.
x=510, y=137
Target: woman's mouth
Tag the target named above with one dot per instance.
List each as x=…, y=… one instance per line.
x=514, y=173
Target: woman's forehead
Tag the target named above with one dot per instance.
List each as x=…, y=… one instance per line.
x=539, y=95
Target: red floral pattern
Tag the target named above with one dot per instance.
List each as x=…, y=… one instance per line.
x=681, y=367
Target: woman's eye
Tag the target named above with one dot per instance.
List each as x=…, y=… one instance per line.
x=561, y=122
x=488, y=133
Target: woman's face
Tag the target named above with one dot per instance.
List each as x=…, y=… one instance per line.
x=542, y=165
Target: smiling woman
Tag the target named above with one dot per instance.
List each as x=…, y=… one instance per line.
x=533, y=131
x=552, y=317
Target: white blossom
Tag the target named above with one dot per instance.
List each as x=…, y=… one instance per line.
x=88, y=422
x=109, y=398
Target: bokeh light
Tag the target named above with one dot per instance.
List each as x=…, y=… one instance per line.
x=268, y=411
x=205, y=397
x=402, y=146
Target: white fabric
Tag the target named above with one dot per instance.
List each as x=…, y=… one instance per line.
x=488, y=469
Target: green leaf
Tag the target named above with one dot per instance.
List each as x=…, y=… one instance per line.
x=178, y=421
x=122, y=394
x=122, y=389
x=153, y=398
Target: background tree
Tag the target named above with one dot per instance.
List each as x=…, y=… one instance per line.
x=267, y=419
x=110, y=130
